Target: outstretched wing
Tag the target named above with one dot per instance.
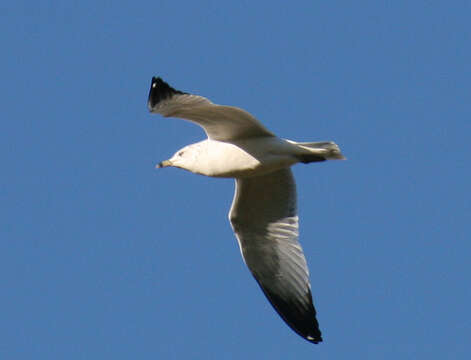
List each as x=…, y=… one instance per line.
x=220, y=122
x=264, y=218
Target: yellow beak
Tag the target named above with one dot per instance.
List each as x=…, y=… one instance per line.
x=164, y=163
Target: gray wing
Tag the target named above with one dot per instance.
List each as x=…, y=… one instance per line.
x=218, y=121
x=264, y=218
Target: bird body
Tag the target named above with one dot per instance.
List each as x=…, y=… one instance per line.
x=263, y=214
x=241, y=157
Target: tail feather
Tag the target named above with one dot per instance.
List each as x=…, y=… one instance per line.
x=326, y=150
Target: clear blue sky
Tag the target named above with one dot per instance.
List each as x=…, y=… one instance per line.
x=102, y=256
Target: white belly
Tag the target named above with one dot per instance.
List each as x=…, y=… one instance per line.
x=250, y=157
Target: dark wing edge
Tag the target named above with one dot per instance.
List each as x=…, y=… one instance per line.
x=302, y=319
x=159, y=91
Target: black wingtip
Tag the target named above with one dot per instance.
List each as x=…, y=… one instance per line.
x=301, y=317
x=160, y=90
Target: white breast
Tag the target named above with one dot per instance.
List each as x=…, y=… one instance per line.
x=248, y=157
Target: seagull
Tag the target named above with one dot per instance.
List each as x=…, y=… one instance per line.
x=263, y=214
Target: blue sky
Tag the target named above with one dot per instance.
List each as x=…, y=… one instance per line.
x=103, y=256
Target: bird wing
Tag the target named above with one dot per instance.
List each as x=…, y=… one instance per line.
x=220, y=122
x=264, y=218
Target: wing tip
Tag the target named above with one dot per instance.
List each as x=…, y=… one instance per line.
x=301, y=318
x=316, y=339
x=159, y=91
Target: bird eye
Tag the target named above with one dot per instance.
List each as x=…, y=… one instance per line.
x=180, y=153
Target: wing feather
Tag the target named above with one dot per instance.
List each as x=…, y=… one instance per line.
x=264, y=218
x=220, y=122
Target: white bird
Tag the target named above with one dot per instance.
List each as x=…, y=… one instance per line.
x=263, y=214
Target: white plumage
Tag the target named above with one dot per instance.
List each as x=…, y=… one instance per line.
x=263, y=214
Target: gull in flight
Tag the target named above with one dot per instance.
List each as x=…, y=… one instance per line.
x=263, y=214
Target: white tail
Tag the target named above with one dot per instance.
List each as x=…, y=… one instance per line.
x=328, y=150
